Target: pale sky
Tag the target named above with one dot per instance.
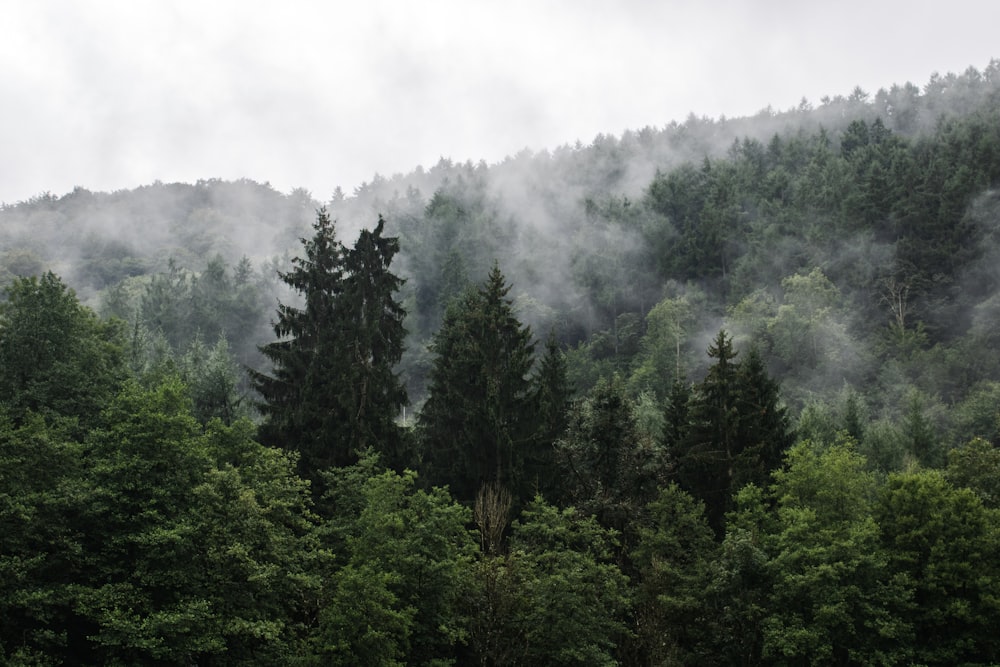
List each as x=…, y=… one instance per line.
x=112, y=94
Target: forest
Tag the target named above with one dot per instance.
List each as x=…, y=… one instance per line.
x=724, y=392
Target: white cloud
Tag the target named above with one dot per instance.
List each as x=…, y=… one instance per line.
x=115, y=93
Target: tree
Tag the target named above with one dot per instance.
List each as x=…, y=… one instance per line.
x=737, y=431
x=673, y=558
x=478, y=419
x=555, y=597
x=943, y=542
x=406, y=553
x=56, y=357
x=42, y=496
x=146, y=460
x=834, y=599
x=212, y=378
x=372, y=328
x=551, y=398
x=606, y=468
x=765, y=432
x=333, y=392
x=659, y=364
x=976, y=465
x=300, y=396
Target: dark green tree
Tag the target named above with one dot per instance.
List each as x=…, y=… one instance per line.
x=371, y=324
x=710, y=445
x=42, y=497
x=764, y=430
x=478, y=419
x=332, y=391
x=673, y=558
x=606, y=467
x=300, y=396
x=552, y=400
x=737, y=431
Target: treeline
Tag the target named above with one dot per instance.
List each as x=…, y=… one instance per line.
x=594, y=531
x=681, y=397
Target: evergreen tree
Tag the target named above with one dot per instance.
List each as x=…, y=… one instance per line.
x=552, y=401
x=299, y=397
x=333, y=392
x=710, y=444
x=372, y=328
x=764, y=431
x=736, y=432
x=478, y=420
x=608, y=468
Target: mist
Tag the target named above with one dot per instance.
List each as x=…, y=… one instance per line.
x=587, y=235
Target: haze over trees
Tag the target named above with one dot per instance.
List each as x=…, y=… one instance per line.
x=722, y=392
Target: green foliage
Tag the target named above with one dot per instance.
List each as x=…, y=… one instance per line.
x=943, y=543
x=673, y=557
x=153, y=540
x=332, y=392
x=478, y=420
x=736, y=430
x=552, y=399
x=555, y=598
x=407, y=552
x=856, y=248
x=835, y=599
x=606, y=468
x=42, y=496
x=56, y=357
x=660, y=362
x=976, y=465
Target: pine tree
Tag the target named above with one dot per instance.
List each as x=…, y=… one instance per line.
x=478, y=420
x=299, y=396
x=764, y=431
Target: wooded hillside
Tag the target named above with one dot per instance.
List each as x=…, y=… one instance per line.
x=721, y=392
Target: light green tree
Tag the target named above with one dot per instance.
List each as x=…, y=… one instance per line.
x=944, y=545
x=835, y=599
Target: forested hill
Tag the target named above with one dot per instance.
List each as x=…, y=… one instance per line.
x=886, y=200
x=721, y=392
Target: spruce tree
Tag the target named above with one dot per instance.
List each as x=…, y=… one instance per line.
x=332, y=391
x=764, y=431
x=551, y=400
x=478, y=419
x=736, y=432
x=373, y=334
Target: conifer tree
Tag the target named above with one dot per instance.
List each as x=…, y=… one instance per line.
x=478, y=421
x=332, y=391
x=736, y=432
x=299, y=395
x=373, y=324
x=552, y=393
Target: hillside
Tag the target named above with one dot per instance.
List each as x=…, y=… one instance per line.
x=721, y=392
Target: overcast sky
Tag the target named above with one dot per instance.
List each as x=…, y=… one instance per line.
x=110, y=94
